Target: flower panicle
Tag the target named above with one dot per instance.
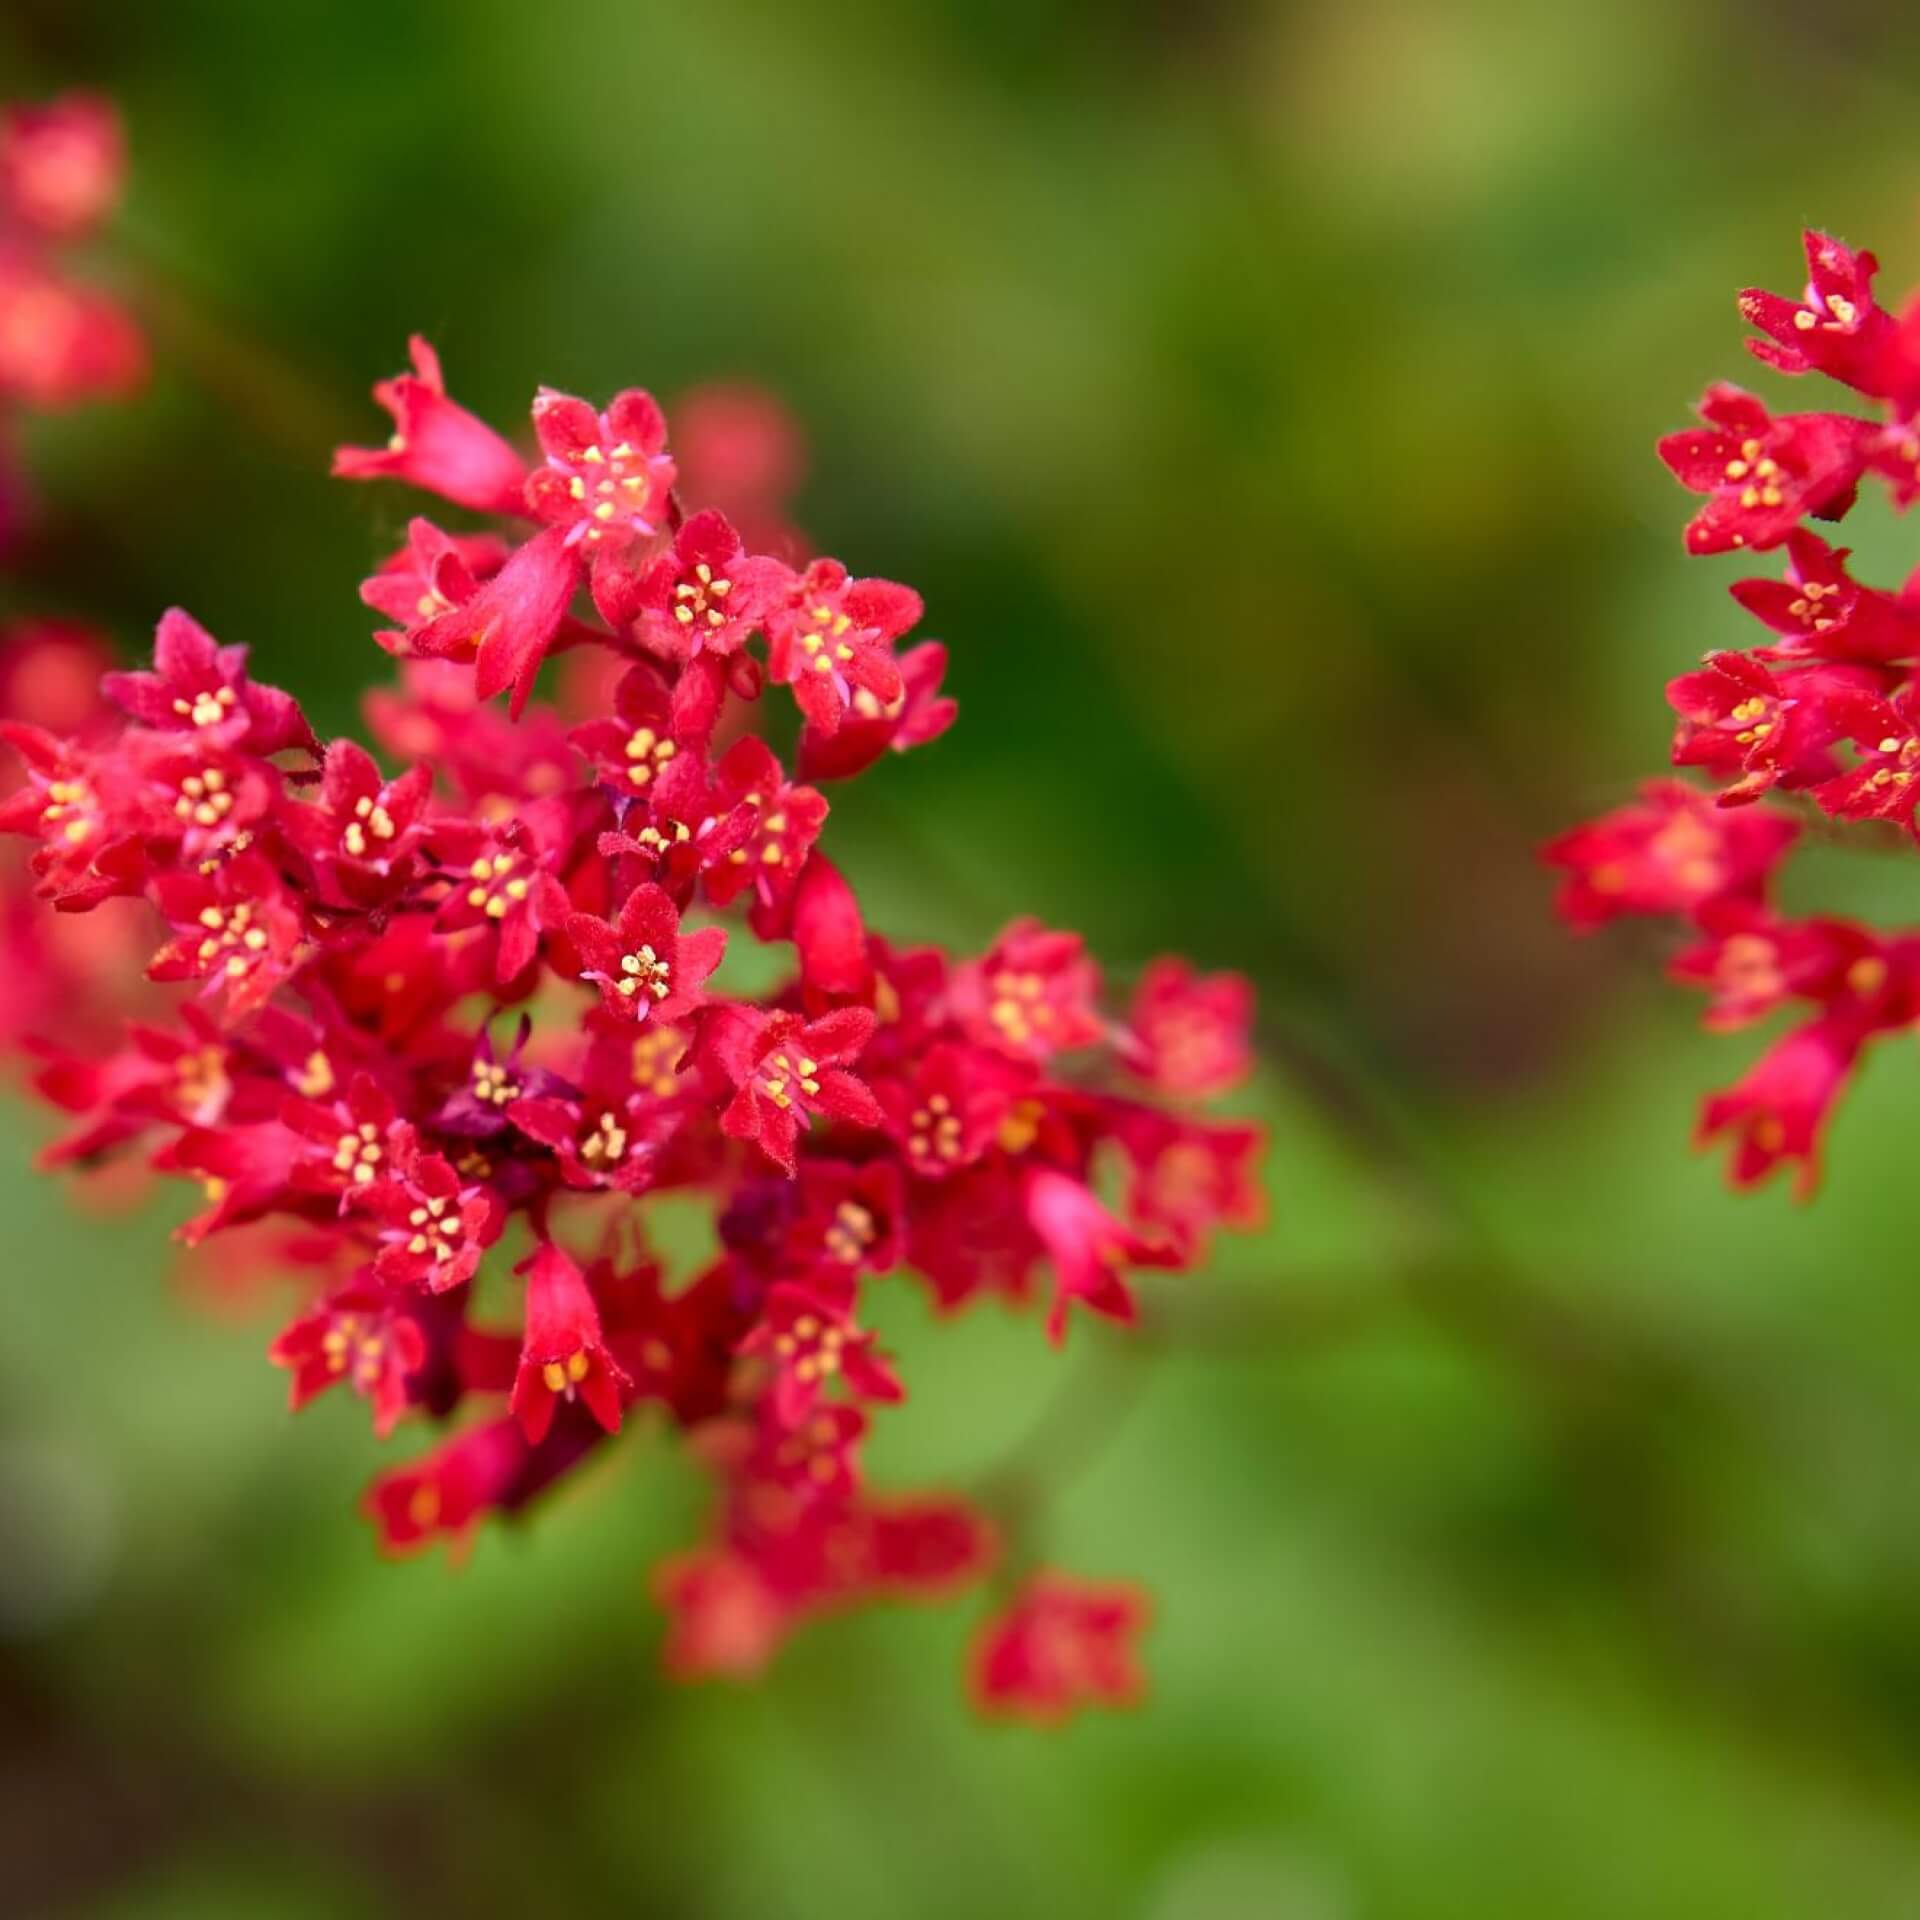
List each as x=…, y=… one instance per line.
x=1822, y=713
x=468, y=1003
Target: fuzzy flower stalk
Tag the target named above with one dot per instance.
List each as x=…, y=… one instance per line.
x=437, y=1020
x=1817, y=721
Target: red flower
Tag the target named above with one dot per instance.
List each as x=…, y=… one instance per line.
x=849, y=1222
x=1088, y=1248
x=1836, y=328
x=505, y=626
x=611, y=1131
x=784, y=823
x=1189, y=1036
x=830, y=635
x=362, y=839
x=1893, y=451
x=1752, y=962
x=1763, y=473
x=1758, y=729
x=818, y=1456
x=1882, y=785
x=1032, y=995
x=363, y=1335
x=1779, y=1111
x=236, y=928
x=198, y=686
x=1061, y=1644
x=434, y=1224
x=501, y=879
x=632, y=749
x=809, y=1343
x=352, y=1132
x=61, y=344
x=604, y=486
x=951, y=1111
x=918, y=714
x=157, y=1076
x=73, y=804
x=358, y=936
x=1823, y=613
x=564, y=1355
x=707, y=595
x=644, y=966
x=786, y=1070
x=432, y=574
x=1189, y=1179
x=62, y=164
x=1672, y=852
x=724, y=1618
x=437, y=445
x=450, y=1488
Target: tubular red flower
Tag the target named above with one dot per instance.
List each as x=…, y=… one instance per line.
x=564, y=1356
x=437, y=445
x=1763, y=473
x=1061, y=1644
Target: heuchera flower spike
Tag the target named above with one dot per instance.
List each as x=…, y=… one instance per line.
x=341, y=935
x=1825, y=713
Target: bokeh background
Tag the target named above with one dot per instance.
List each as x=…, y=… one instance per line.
x=1263, y=397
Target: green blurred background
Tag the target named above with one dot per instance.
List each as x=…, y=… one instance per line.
x=1263, y=397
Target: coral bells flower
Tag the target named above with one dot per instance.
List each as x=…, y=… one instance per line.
x=1032, y=995
x=1187, y=1036
x=1881, y=785
x=811, y=1343
x=62, y=344
x=363, y=1335
x=1752, y=962
x=432, y=574
x=1060, y=1645
x=707, y=595
x=436, y=445
x=1758, y=729
x=831, y=637
x=1089, y=1249
x=62, y=165
x=1835, y=328
x=320, y=1047
x=564, y=1356
x=785, y=1071
x=920, y=713
x=1673, y=852
x=362, y=840
x=1822, y=613
x=433, y=1222
x=1763, y=474
x=604, y=485
x=644, y=966
x=236, y=929
x=1778, y=1112
x=444, y=1494
x=198, y=686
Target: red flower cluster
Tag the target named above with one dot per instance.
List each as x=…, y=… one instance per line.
x=1825, y=713
x=61, y=341
x=453, y=1017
